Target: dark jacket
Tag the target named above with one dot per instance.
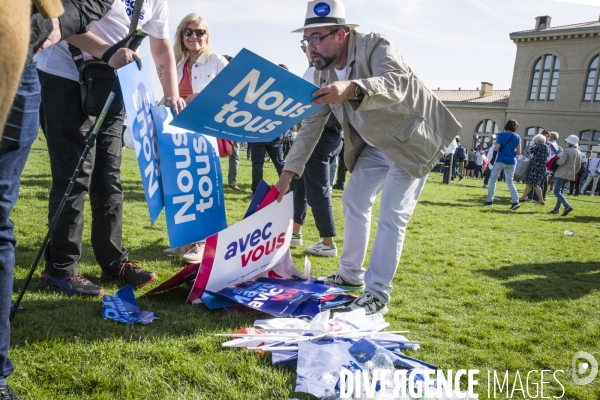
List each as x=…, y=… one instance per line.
x=78, y=15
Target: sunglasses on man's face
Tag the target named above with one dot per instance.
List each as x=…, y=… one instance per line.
x=187, y=32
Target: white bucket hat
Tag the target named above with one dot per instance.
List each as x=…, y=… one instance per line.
x=572, y=139
x=325, y=13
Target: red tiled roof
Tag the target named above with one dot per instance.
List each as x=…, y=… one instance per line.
x=595, y=25
x=498, y=97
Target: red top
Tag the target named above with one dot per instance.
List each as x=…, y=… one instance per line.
x=185, y=86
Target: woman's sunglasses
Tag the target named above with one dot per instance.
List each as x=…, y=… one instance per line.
x=187, y=32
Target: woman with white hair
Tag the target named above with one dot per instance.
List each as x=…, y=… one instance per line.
x=197, y=65
x=568, y=164
x=537, y=173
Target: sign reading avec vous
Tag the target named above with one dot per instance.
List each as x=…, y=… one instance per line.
x=251, y=100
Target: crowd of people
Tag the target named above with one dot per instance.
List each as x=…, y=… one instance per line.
x=564, y=171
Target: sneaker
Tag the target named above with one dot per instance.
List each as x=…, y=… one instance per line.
x=6, y=393
x=178, y=250
x=339, y=186
x=553, y=212
x=567, y=211
x=320, y=249
x=337, y=280
x=195, y=253
x=484, y=186
x=234, y=187
x=488, y=204
x=130, y=274
x=515, y=206
x=70, y=285
x=496, y=198
x=370, y=303
x=296, y=239
x=460, y=178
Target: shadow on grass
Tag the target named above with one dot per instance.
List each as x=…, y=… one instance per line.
x=54, y=317
x=553, y=281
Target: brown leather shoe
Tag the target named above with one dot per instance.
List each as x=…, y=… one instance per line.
x=234, y=186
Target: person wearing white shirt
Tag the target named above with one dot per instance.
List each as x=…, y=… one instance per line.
x=66, y=127
x=593, y=173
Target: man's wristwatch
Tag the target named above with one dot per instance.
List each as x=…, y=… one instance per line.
x=359, y=94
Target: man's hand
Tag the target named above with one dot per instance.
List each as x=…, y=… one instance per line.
x=54, y=37
x=176, y=103
x=123, y=57
x=283, y=184
x=336, y=93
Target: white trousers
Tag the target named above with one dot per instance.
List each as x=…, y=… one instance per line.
x=373, y=174
x=591, y=178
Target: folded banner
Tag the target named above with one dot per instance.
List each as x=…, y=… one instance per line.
x=246, y=249
x=192, y=181
x=251, y=100
x=138, y=97
x=122, y=307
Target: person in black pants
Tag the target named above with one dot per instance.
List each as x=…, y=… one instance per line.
x=312, y=189
x=275, y=150
x=341, y=170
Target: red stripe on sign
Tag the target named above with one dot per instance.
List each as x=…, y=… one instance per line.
x=205, y=269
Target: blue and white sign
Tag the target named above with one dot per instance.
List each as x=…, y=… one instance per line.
x=138, y=97
x=192, y=181
x=251, y=100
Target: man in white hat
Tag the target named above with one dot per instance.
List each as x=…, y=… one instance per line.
x=396, y=130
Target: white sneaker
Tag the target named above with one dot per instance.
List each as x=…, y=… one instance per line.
x=194, y=254
x=296, y=239
x=321, y=249
x=175, y=251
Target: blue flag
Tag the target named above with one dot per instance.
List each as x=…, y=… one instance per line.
x=192, y=181
x=122, y=307
x=251, y=100
x=364, y=349
x=138, y=97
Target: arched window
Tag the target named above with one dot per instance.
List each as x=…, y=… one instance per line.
x=592, y=90
x=530, y=133
x=544, y=80
x=589, y=140
x=485, y=133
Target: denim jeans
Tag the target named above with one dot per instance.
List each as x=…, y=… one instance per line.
x=234, y=163
x=509, y=172
x=20, y=132
x=313, y=186
x=375, y=174
x=66, y=127
x=275, y=150
x=559, y=188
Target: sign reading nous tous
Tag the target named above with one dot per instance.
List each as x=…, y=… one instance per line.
x=138, y=97
x=192, y=181
x=251, y=100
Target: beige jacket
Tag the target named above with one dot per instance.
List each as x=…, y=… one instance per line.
x=568, y=164
x=398, y=114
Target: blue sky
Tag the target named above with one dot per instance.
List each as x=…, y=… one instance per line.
x=448, y=43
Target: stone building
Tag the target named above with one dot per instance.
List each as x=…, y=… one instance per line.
x=555, y=86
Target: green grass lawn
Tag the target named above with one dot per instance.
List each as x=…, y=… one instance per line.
x=483, y=288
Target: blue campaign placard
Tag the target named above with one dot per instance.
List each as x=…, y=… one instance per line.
x=251, y=100
x=138, y=97
x=192, y=181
